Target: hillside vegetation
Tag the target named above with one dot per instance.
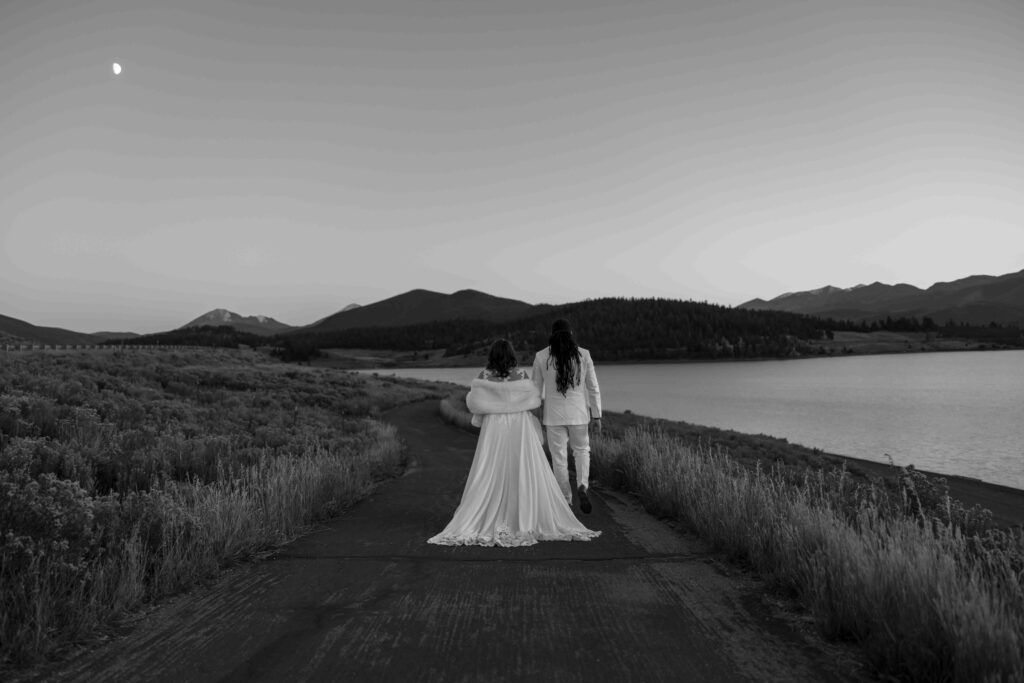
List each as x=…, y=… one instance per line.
x=223, y=336
x=614, y=329
x=127, y=476
x=620, y=329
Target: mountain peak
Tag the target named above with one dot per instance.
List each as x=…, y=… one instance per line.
x=424, y=305
x=256, y=324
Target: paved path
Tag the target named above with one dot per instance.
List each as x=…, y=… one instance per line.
x=367, y=599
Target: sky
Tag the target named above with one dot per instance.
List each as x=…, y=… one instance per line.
x=290, y=158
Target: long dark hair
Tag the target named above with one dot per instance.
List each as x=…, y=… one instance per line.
x=565, y=354
x=502, y=358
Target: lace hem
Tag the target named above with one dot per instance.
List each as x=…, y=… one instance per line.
x=509, y=539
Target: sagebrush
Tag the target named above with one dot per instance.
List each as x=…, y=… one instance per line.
x=126, y=476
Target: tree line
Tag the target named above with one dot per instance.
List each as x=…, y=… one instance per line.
x=614, y=328
x=223, y=336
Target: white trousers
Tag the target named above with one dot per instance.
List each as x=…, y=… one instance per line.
x=576, y=437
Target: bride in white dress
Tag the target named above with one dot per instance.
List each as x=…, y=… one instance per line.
x=511, y=497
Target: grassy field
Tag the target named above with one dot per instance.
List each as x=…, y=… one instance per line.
x=931, y=588
x=891, y=342
x=128, y=476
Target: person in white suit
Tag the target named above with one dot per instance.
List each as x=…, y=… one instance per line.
x=564, y=375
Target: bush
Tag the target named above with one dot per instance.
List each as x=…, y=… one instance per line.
x=927, y=601
x=128, y=476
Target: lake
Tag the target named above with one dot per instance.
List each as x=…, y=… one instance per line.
x=954, y=413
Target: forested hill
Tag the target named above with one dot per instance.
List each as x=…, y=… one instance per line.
x=204, y=335
x=612, y=328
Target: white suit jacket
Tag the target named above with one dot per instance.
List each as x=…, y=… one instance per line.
x=579, y=404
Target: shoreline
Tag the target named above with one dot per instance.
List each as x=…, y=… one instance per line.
x=1005, y=502
x=377, y=359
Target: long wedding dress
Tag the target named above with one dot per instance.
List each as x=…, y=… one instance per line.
x=511, y=497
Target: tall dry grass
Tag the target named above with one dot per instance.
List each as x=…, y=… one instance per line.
x=123, y=480
x=927, y=602
x=159, y=542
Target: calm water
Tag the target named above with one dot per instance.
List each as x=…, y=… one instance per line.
x=956, y=413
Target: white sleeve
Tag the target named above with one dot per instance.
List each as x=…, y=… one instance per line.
x=537, y=375
x=593, y=390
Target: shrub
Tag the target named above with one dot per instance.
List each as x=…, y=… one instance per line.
x=128, y=476
x=927, y=601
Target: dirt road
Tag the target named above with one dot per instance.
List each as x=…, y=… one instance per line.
x=367, y=599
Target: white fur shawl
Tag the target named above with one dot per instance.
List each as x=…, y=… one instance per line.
x=487, y=398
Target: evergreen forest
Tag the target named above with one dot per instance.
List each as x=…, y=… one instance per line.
x=614, y=329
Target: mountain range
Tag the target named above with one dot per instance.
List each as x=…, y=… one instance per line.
x=410, y=308
x=974, y=300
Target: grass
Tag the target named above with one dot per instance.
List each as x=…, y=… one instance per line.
x=128, y=477
x=930, y=590
x=926, y=601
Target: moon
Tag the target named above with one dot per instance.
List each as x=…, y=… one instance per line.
x=117, y=68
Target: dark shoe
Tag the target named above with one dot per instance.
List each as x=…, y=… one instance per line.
x=584, y=500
